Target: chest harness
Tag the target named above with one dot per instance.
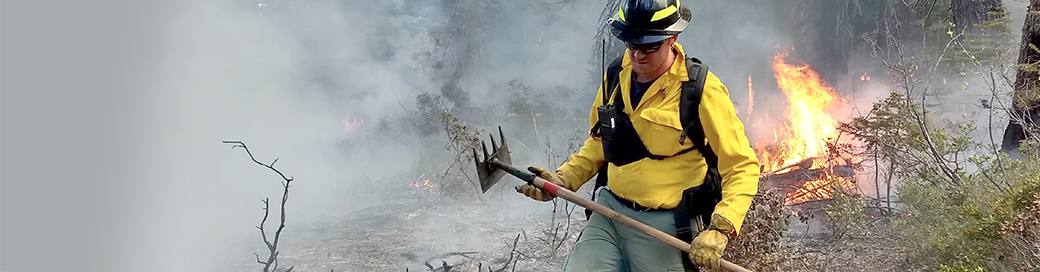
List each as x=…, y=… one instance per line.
x=622, y=145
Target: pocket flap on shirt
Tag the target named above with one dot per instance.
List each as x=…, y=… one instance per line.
x=662, y=117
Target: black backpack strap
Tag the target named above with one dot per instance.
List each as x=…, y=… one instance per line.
x=700, y=200
x=689, y=110
x=612, y=79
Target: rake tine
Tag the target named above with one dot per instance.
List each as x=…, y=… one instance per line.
x=484, y=147
x=501, y=136
x=494, y=146
x=475, y=158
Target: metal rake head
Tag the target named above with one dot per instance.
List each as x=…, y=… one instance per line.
x=487, y=172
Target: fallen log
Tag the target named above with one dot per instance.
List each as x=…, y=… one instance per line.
x=798, y=177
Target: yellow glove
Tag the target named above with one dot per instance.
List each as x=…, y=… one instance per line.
x=535, y=193
x=707, y=248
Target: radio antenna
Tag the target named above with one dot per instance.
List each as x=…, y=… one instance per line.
x=603, y=65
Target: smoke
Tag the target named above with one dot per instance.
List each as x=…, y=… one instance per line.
x=329, y=88
x=290, y=77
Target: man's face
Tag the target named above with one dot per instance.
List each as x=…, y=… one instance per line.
x=647, y=58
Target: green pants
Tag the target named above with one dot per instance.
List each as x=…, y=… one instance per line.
x=605, y=245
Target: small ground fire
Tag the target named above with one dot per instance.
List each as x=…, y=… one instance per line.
x=801, y=143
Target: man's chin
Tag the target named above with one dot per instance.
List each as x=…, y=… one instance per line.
x=640, y=66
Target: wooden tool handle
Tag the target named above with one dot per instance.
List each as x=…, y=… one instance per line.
x=569, y=195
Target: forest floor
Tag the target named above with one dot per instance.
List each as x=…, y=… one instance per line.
x=874, y=246
x=424, y=232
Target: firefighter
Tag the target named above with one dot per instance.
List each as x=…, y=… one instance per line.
x=650, y=166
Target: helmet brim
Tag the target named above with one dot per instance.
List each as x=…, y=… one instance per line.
x=628, y=34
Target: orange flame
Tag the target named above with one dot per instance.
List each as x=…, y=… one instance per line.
x=802, y=141
x=422, y=183
x=750, y=96
x=817, y=188
x=809, y=125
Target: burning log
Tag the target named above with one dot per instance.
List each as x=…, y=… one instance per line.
x=798, y=177
x=804, y=184
x=805, y=158
x=804, y=164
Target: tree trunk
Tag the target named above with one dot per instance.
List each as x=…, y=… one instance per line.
x=1025, y=110
x=969, y=15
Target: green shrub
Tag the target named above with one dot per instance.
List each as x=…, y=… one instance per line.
x=958, y=195
x=959, y=227
x=845, y=211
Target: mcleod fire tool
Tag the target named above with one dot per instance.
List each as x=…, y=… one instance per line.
x=496, y=163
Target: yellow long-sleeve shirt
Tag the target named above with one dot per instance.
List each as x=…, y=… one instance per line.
x=659, y=183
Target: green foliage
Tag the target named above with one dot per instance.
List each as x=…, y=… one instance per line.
x=1033, y=67
x=987, y=45
x=959, y=268
x=1026, y=97
x=959, y=226
x=955, y=222
x=845, y=211
x=896, y=131
x=951, y=53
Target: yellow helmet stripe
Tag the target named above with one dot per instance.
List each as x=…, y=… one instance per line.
x=620, y=13
x=664, y=13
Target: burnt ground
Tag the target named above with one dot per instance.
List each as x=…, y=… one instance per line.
x=420, y=229
x=426, y=231
x=812, y=245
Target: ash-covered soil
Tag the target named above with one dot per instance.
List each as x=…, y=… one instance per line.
x=812, y=245
x=425, y=231
x=418, y=230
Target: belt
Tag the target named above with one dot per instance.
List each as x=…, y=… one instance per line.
x=635, y=206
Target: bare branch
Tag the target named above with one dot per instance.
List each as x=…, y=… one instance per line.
x=512, y=252
x=258, y=259
x=272, y=245
x=263, y=233
x=268, y=166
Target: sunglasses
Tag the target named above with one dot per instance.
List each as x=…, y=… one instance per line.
x=646, y=48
